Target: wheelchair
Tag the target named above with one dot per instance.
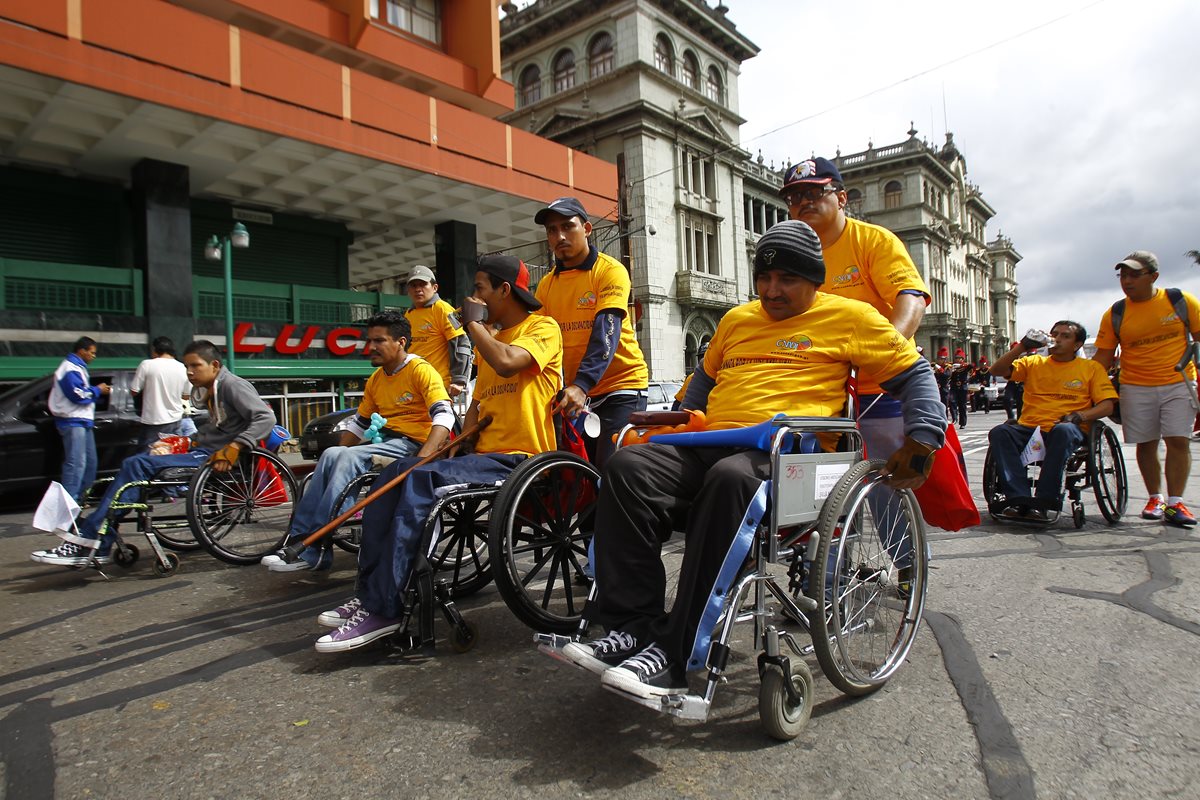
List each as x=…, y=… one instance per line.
x=237, y=516
x=830, y=550
x=1098, y=465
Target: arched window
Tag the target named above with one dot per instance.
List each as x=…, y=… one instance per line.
x=531, y=85
x=564, y=71
x=664, y=54
x=854, y=202
x=714, y=87
x=600, y=56
x=891, y=194
x=689, y=70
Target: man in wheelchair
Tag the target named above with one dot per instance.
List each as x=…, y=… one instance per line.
x=238, y=419
x=1063, y=394
x=406, y=391
x=790, y=351
x=520, y=367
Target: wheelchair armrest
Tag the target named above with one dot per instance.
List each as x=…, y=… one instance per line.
x=641, y=419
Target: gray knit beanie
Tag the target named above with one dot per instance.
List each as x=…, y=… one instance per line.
x=793, y=247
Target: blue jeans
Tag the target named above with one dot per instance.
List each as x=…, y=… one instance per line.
x=1008, y=441
x=135, y=468
x=150, y=433
x=337, y=467
x=79, y=459
x=393, y=524
x=882, y=436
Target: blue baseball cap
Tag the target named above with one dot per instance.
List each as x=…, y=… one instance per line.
x=813, y=172
x=567, y=206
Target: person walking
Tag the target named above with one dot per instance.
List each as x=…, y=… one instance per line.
x=73, y=405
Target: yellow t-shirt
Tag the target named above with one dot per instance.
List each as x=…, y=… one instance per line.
x=572, y=298
x=403, y=399
x=1054, y=388
x=432, y=329
x=520, y=405
x=1152, y=340
x=799, y=366
x=870, y=264
x=683, y=389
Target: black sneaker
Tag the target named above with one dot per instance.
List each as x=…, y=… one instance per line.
x=648, y=674
x=599, y=655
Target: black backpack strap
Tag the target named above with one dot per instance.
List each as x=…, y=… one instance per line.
x=1118, y=313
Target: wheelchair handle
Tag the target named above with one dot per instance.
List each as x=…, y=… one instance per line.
x=292, y=551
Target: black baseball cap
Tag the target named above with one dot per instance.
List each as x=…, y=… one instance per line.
x=567, y=206
x=512, y=271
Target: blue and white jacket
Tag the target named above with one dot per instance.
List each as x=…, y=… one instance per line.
x=72, y=397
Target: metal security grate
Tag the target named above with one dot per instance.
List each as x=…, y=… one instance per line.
x=263, y=309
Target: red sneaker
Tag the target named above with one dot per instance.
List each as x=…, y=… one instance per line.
x=1154, y=509
x=1179, y=515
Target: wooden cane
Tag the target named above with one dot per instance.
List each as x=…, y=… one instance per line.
x=292, y=551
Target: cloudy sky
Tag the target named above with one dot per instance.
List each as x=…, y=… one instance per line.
x=1079, y=119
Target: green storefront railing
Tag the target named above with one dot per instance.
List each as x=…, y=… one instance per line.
x=259, y=301
x=46, y=286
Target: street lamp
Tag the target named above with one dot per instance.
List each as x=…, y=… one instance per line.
x=222, y=250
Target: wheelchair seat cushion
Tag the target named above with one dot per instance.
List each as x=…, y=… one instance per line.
x=175, y=474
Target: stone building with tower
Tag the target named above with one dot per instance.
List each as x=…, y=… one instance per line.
x=921, y=193
x=651, y=85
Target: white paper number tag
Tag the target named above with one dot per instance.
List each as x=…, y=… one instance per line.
x=591, y=425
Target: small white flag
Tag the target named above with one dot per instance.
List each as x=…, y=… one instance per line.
x=1035, y=450
x=57, y=510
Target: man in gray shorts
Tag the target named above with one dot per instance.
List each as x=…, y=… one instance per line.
x=1152, y=326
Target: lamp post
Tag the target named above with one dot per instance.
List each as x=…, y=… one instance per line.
x=222, y=250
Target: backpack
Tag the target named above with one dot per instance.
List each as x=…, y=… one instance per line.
x=1118, y=312
x=1177, y=302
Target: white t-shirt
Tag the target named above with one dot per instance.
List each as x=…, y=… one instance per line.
x=163, y=382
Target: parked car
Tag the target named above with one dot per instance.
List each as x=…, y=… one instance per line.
x=995, y=393
x=661, y=395
x=32, y=446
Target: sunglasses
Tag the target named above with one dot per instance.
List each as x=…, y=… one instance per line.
x=808, y=195
x=1134, y=273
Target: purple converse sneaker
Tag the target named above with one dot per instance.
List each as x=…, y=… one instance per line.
x=362, y=628
x=340, y=615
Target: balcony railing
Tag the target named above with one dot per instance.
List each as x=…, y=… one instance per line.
x=702, y=289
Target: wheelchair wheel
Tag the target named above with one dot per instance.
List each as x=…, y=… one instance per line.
x=1106, y=467
x=869, y=575
x=176, y=535
x=461, y=555
x=243, y=514
x=782, y=718
x=991, y=486
x=348, y=535
x=538, y=539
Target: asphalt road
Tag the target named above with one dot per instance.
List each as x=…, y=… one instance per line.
x=1052, y=663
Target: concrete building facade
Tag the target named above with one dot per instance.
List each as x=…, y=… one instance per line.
x=921, y=193
x=652, y=86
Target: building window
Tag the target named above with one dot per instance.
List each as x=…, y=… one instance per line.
x=664, y=55
x=854, y=202
x=697, y=174
x=891, y=194
x=700, y=245
x=421, y=18
x=564, y=71
x=600, y=56
x=689, y=70
x=714, y=87
x=530, y=85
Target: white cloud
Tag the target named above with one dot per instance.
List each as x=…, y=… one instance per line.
x=1083, y=133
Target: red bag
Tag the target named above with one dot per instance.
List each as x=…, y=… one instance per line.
x=945, y=498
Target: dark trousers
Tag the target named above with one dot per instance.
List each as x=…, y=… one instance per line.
x=613, y=411
x=393, y=524
x=958, y=405
x=645, y=487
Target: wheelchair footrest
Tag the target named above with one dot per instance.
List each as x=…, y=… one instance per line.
x=684, y=706
x=552, y=645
